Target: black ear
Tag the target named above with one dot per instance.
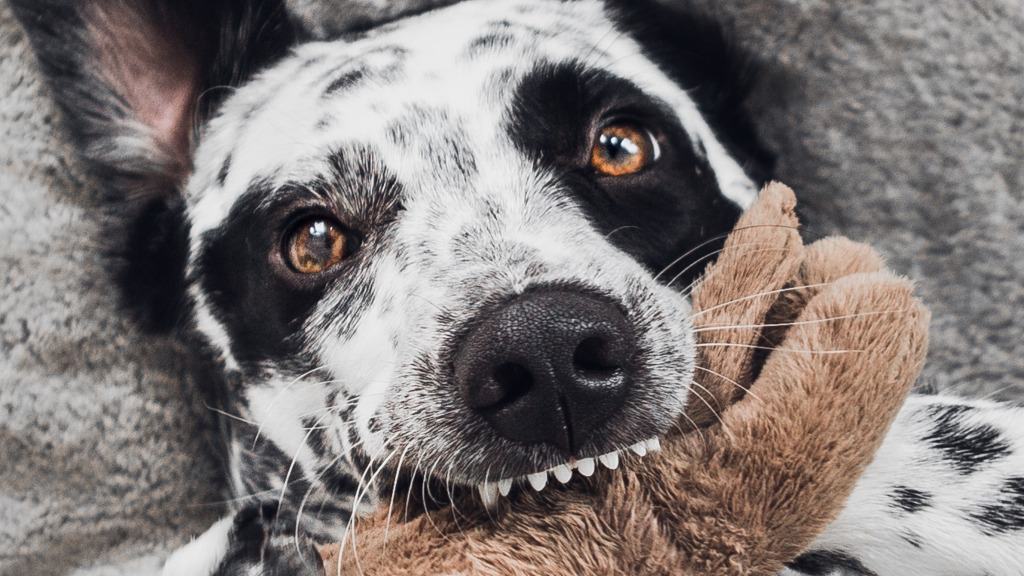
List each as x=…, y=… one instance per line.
x=134, y=80
x=694, y=49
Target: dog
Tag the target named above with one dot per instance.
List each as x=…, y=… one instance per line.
x=455, y=247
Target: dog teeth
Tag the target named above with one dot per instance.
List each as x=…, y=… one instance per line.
x=490, y=491
x=610, y=460
x=505, y=486
x=562, y=473
x=586, y=466
x=489, y=494
x=538, y=480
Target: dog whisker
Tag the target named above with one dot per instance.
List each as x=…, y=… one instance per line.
x=798, y=322
x=757, y=295
x=294, y=460
x=394, y=491
x=313, y=485
x=226, y=414
x=715, y=239
x=706, y=403
x=746, y=390
x=362, y=487
x=756, y=347
x=278, y=395
x=716, y=252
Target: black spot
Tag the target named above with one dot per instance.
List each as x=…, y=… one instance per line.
x=910, y=500
x=374, y=425
x=346, y=408
x=345, y=81
x=658, y=214
x=310, y=62
x=912, y=539
x=825, y=562
x=489, y=42
x=338, y=481
x=1006, y=513
x=966, y=446
x=315, y=430
x=438, y=138
x=222, y=174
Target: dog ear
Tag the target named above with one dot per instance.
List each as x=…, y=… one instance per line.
x=134, y=80
x=695, y=50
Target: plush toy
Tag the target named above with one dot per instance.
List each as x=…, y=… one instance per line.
x=806, y=354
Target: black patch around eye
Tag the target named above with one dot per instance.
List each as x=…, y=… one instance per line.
x=1006, y=512
x=671, y=216
x=260, y=311
x=967, y=447
x=696, y=52
x=263, y=306
x=824, y=562
x=910, y=500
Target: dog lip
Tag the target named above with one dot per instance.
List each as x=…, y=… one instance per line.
x=490, y=492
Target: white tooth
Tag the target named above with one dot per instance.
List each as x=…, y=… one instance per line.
x=610, y=460
x=562, y=473
x=586, y=466
x=653, y=444
x=489, y=494
x=640, y=449
x=505, y=486
x=538, y=480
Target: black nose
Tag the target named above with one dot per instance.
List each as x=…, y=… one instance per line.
x=548, y=367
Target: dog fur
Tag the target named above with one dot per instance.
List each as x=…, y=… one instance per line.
x=205, y=121
x=743, y=497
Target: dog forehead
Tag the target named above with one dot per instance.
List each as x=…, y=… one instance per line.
x=403, y=91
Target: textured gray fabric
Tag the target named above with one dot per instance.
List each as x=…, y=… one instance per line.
x=100, y=454
x=899, y=122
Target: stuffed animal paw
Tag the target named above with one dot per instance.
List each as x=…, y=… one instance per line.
x=806, y=354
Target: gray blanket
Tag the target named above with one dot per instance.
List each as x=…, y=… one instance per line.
x=901, y=124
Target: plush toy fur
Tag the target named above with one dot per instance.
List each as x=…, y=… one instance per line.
x=746, y=493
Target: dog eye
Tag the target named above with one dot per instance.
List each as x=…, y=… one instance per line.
x=622, y=149
x=316, y=244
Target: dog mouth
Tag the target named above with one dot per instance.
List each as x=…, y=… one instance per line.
x=491, y=491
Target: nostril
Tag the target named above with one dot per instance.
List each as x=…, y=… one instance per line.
x=594, y=357
x=509, y=382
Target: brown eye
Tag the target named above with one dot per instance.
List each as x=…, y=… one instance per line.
x=623, y=149
x=315, y=244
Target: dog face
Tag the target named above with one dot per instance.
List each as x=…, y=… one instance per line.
x=458, y=243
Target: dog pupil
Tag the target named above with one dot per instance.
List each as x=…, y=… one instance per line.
x=616, y=148
x=318, y=229
x=321, y=242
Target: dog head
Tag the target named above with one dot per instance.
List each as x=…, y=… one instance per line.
x=458, y=243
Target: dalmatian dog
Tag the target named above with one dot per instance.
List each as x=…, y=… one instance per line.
x=456, y=247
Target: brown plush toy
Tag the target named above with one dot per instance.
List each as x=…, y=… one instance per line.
x=746, y=493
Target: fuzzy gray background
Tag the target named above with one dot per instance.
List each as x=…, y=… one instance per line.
x=898, y=122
